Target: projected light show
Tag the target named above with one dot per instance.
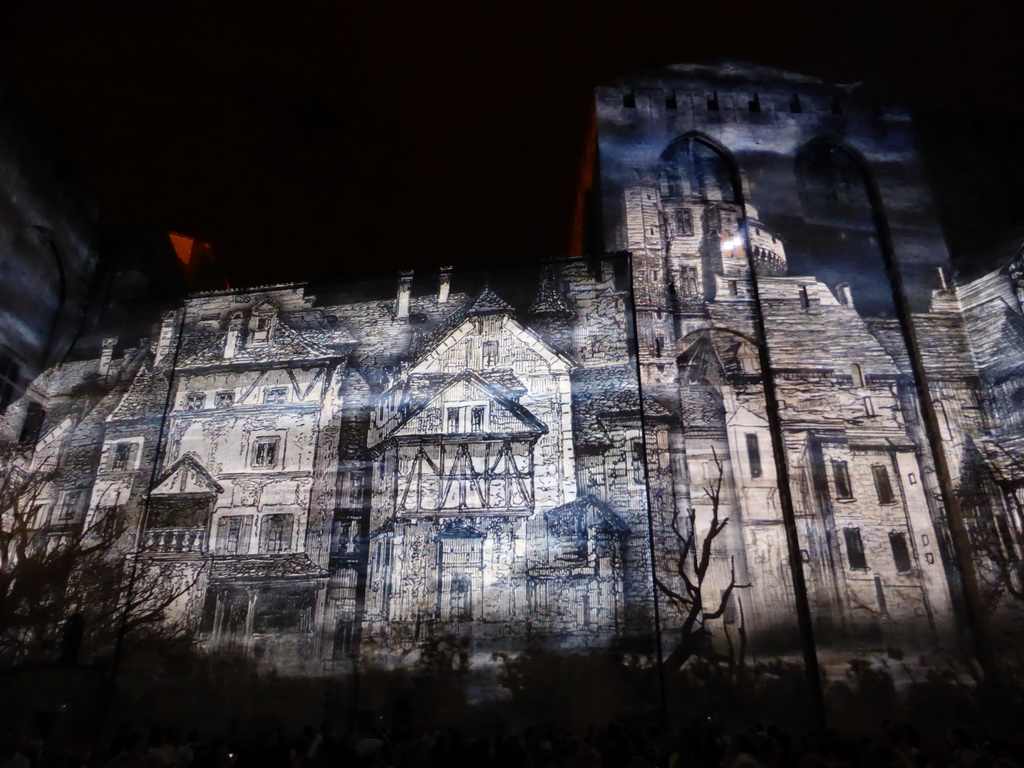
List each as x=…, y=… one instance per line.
x=758, y=433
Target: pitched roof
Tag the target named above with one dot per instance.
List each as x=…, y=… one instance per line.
x=266, y=567
x=489, y=303
x=587, y=513
x=190, y=476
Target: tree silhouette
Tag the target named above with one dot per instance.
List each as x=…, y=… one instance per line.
x=692, y=567
x=68, y=588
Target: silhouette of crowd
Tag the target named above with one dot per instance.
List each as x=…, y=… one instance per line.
x=366, y=745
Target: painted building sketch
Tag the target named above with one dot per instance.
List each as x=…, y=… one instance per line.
x=317, y=480
x=762, y=421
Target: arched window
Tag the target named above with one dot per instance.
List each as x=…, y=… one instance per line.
x=833, y=186
x=699, y=169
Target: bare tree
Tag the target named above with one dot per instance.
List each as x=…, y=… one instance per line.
x=999, y=541
x=68, y=586
x=692, y=567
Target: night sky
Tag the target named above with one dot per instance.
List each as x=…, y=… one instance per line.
x=311, y=139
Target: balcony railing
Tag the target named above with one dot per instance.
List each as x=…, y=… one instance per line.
x=174, y=540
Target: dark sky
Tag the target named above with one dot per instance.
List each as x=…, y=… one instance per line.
x=306, y=138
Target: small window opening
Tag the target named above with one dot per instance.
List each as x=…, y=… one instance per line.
x=754, y=455
x=794, y=104
x=900, y=551
x=734, y=288
x=855, y=549
x=835, y=106
x=33, y=424
x=122, y=455
x=629, y=99
x=882, y=484
x=713, y=102
x=670, y=101
x=754, y=105
x=265, y=451
x=477, y=418
x=638, y=461
x=841, y=473
x=858, y=375
x=805, y=299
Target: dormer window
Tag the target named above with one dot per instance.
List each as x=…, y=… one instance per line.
x=262, y=324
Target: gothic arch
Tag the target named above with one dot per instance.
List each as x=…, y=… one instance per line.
x=695, y=165
x=835, y=185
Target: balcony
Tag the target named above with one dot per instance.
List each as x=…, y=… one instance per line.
x=163, y=540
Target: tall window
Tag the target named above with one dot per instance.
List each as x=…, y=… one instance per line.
x=841, y=473
x=266, y=451
x=638, y=461
x=69, y=507
x=460, y=597
x=477, y=418
x=122, y=456
x=900, y=552
x=882, y=484
x=754, y=455
x=683, y=222
x=33, y=424
x=233, y=535
x=490, y=353
x=453, y=420
x=276, y=534
x=855, y=548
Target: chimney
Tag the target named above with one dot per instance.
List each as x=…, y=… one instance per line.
x=845, y=295
x=404, y=289
x=107, y=355
x=236, y=332
x=163, y=344
x=444, y=285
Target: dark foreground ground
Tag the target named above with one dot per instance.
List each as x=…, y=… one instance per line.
x=697, y=745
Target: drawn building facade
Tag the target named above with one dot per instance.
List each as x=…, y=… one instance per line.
x=517, y=462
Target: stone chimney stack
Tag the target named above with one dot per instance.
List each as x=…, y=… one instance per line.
x=404, y=292
x=236, y=332
x=845, y=295
x=166, y=340
x=107, y=355
x=444, y=285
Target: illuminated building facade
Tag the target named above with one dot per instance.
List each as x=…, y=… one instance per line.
x=770, y=363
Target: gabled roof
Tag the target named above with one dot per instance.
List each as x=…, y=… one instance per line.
x=587, y=513
x=459, y=528
x=433, y=387
x=187, y=475
x=201, y=348
x=266, y=567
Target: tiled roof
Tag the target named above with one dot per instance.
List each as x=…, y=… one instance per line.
x=587, y=513
x=259, y=567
